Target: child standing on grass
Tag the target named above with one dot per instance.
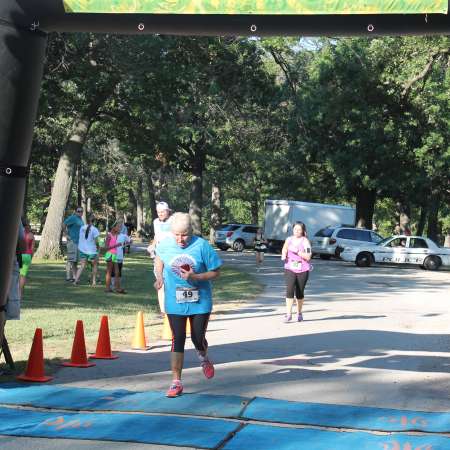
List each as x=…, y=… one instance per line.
x=125, y=241
x=112, y=262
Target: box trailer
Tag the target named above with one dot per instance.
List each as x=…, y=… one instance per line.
x=281, y=215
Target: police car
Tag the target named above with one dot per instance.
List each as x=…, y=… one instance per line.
x=399, y=250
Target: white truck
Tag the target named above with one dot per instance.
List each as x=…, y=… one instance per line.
x=281, y=215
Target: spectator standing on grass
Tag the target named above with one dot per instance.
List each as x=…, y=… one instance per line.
x=125, y=242
x=296, y=254
x=130, y=229
x=111, y=245
x=88, y=248
x=72, y=227
x=27, y=256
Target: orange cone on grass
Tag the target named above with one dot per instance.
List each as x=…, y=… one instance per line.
x=167, y=332
x=79, y=356
x=35, y=365
x=139, y=341
x=103, y=350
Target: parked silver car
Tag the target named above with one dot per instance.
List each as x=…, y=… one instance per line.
x=330, y=241
x=236, y=236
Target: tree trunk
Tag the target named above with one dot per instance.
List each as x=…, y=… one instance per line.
x=195, y=205
x=215, y=211
x=422, y=220
x=255, y=207
x=151, y=196
x=139, y=206
x=447, y=239
x=403, y=214
x=25, y=201
x=82, y=192
x=159, y=185
x=433, y=211
x=49, y=246
x=365, y=204
x=79, y=183
x=196, y=197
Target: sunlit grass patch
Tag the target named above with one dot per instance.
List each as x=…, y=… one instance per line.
x=53, y=304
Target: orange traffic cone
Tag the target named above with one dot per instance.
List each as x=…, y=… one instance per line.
x=188, y=327
x=167, y=332
x=79, y=356
x=139, y=342
x=103, y=350
x=35, y=365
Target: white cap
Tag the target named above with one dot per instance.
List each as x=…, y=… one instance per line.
x=162, y=206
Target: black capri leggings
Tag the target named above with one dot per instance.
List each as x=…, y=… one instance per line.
x=199, y=324
x=295, y=282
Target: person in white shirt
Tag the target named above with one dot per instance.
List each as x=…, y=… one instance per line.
x=88, y=248
x=124, y=240
x=162, y=229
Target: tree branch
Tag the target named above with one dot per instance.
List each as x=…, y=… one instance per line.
x=435, y=56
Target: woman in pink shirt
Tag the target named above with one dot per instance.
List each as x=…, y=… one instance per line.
x=296, y=254
x=112, y=262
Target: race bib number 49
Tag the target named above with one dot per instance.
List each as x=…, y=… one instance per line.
x=187, y=295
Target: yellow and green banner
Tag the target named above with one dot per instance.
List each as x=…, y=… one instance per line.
x=303, y=7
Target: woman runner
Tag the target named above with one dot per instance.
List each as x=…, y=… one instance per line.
x=186, y=265
x=296, y=253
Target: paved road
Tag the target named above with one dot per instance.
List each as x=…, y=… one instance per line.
x=377, y=336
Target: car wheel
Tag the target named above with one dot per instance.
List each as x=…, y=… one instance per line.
x=238, y=245
x=432, y=263
x=322, y=256
x=364, y=259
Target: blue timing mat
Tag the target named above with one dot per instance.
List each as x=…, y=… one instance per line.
x=260, y=437
x=344, y=416
x=64, y=397
x=178, y=431
x=261, y=409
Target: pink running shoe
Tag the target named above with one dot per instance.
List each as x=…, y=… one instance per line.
x=175, y=390
x=208, y=368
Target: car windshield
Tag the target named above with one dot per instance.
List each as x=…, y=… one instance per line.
x=384, y=240
x=325, y=232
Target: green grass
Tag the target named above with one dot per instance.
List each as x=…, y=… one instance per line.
x=55, y=305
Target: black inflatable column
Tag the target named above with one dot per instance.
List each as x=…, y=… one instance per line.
x=22, y=52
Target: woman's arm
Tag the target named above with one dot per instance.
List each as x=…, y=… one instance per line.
x=284, y=251
x=159, y=267
x=205, y=276
x=307, y=254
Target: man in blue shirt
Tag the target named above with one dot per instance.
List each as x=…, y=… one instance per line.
x=186, y=265
x=72, y=227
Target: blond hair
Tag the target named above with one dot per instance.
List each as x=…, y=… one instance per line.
x=181, y=222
